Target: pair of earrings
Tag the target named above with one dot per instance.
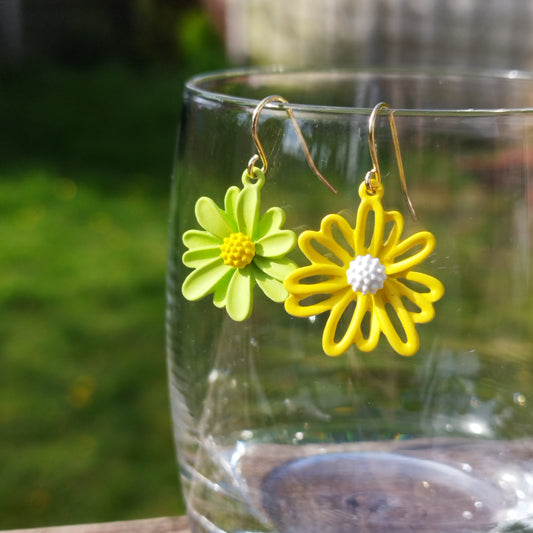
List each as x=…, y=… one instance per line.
x=368, y=285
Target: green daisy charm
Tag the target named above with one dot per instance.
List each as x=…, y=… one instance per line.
x=238, y=249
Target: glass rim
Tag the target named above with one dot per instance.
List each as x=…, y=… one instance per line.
x=199, y=86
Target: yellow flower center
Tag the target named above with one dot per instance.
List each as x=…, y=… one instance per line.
x=238, y=250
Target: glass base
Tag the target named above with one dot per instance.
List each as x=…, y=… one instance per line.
x=372, y=491
x=413, y=486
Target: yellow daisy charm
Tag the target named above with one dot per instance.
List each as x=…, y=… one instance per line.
x=364, y=277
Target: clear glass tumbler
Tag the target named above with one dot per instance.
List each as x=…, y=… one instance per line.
x=272, y=434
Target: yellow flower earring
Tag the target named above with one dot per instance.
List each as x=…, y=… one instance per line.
x=238, y=247
x=364, y=276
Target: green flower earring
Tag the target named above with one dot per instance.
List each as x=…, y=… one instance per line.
x=238, y=247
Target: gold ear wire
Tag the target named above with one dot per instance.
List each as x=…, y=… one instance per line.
x=375, y=173
x=261, y=151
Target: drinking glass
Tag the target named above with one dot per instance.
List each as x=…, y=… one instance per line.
x=272, y=434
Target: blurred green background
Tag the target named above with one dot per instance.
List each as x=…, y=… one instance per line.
x=89, y=111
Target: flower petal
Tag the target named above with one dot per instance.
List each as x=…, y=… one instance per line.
x=294, y=307
x=435, y=286
x=423, y=300
x=422, y=238
x=270, y=222
x=335, y=280
x=213, y=219
x=353, y=332
x=370, y=213
x=247, y=208
x=230, y=201
x=200, y=256
x=272, y=287
x=324, y=294
x=276, y=244
x=221, y=290
x=204, y=279
x=240, y=297
x=195, y=238
x=369, y=343
x=412, y=343
x=328, y=243
x=395, y=231
x=277, y=268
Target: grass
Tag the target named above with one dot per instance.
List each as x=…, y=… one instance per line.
x=85, y=161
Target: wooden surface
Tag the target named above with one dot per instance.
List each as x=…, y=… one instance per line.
x=154, y=525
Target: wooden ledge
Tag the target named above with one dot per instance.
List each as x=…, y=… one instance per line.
x=178, y=524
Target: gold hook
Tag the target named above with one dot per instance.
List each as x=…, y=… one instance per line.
x=375, y=172
x=259, y=147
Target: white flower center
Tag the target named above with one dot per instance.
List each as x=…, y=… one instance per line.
x=366, y=274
